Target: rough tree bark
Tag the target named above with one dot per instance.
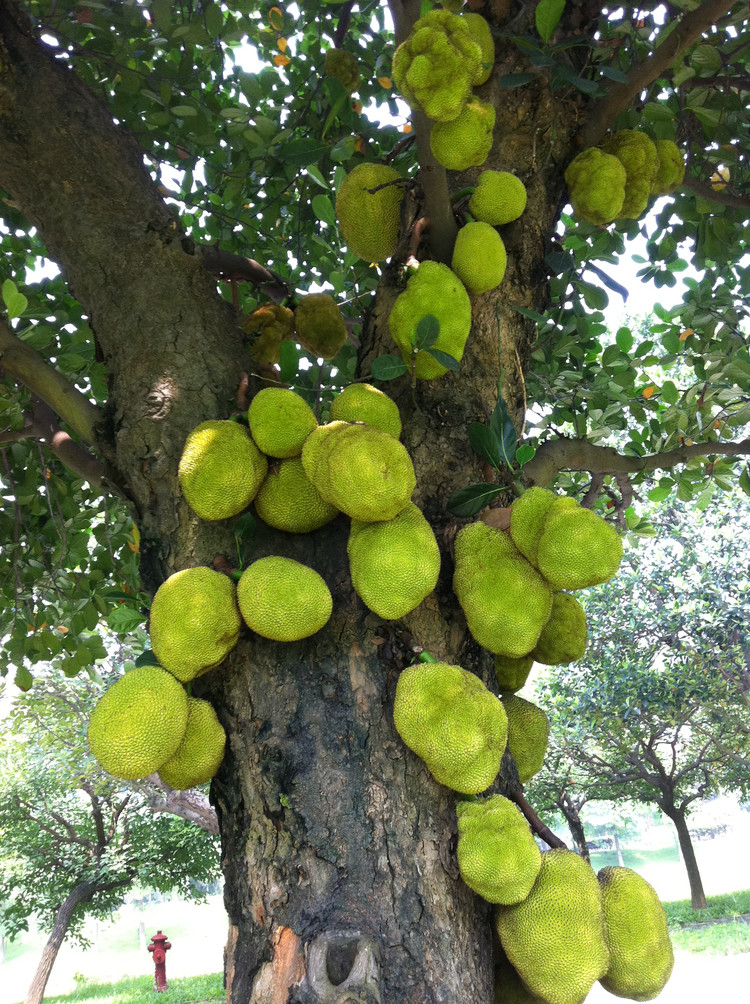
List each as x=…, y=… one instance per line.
x=571, y=811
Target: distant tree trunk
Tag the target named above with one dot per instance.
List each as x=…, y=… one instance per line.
x=697, y=895
x=573, y=819
x=618, y=848
x=2, y=948
x=81, y=894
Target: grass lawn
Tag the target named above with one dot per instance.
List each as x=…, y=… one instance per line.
x=140, y=990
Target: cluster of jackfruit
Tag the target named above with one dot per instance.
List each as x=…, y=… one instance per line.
x=616, y=181
x=342, y=65
x=316, y=323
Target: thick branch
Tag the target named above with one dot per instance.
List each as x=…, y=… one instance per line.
x=43, y=426
x=190, y=805
x=437, y=201
x=538, y=827
x=225, y=265
x=722, y=198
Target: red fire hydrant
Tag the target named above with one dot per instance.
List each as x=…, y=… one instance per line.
x=159, y=946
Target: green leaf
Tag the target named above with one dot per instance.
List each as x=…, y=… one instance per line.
x=469, y=501
x=504, y=431
x=388, y=367
x=323, y=209
x=594, y=296
x=288, y=361
x=303, y=153
x=124, y=619
x=146, y=658
x=514, y=79
x=745, y=480
x=624, y=339
x=183, y=111
x=15, y=302
x=444, y=359
x=669, y=393
x=485, y=445
x=24, y=680
x=525, y=453
x=244, y=527
x=427, y=332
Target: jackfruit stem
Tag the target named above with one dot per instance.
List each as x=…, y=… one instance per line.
x=537, y=826
x=434, y=182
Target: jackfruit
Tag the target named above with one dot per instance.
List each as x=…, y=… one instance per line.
x=555, y=937
x=433, y=289
x=466, y=140
x=479, y=30
x=450, y=720
x=342, y=65
x=280, y=421
x=194, y=621
x=361, y=402
x=637, y=154
x=320, y=326
x=201, y=751
x=479, y=257
x=364, y=472
x=509, y=987
x=288, y=500
x=505, y=600
x=671, y=169
x=512, y=673
x=563, y=637
x=641, y=957
x=596, y=183
x=527, y=515
x=528, y=734
x=282, y=599
x=577, y=548
x=139, y=723
x=369, y=220
x=499, y=198
x=497, y=855
x=220, y=469
x=435, y=66
x=395, y=563
x=271, y=324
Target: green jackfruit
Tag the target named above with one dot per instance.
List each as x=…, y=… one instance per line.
x=527, y=515
x=201, y=751
x=671, y=169
x=479, y=257
x=194, y=622
x=433, y=289
x=563, y=637
x=394, y=563
x=637, y=154
x=361, y=402
x=497, y=855
x=343, y=65
x=509, y=987
x=435, y=66
x=448, y=718
x=319, y=325
x=288, y=500
x=369, y=220
x=466, y=140
x=555, y=937
x=505, y=600
x=512, y=673
x=479, y=30
x=499, y=198
x=139, y=723
x=271, y=324
x=641, y=957
x=528, y=734
x=280, y=421
x=282, y=599
x=577, y=548
x=220, y=469
x=596, y=182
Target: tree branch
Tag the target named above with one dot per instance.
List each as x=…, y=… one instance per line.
x=190, y=805
x=537, y=826
x=228, y=266
x=43, y=427
x=723, y=198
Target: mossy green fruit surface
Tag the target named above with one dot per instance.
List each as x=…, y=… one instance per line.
x=480, y=31
x=512, y=673
x=596, y=181
x=563, y=637
x=342, y=64
x=361, y=402
x=499, y=198
x=220, y=470
x=368, y=219
x=671, y=169
x=527, y=515
x=466, y=140
x=479, y=257
x=201, y=751
x=528, y=734
x=497, y=855
x=282, y=599
x=280, y=421
x=288, y=500
x=637, y=154
x=319, y=325
x=577, y=547
x=139, y=723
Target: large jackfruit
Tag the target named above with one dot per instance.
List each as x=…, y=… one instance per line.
x=361, y=402
x=528, y=734
x=369, y=220
x=499, y=198
x=320, y=326
x=509, y=987
x=497, y=855
x=479, y=30
x=577, y=548
x=220, y=469
x=282, y=599
x=479, y=257
x=555, y=937
x=527, y=515
x=511, y=672
x=288, y=500
x=201, y=751
x=671, y=169
x=596, y=181
x=637, y=154
x=280, y=421
x=466, y=140
x=450, y=720
x=563, y=637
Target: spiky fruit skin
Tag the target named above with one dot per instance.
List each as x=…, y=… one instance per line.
x=433, y=289
x=342, y=65
x=637, y=154
x=362, y=471
x=201, y=751
x=528, y=734
x=271, y=324
x=479, y=257
x=509, y=987
x=369, y=221
x=577, y=548
x=434, y=68
x=220, y=469
x=563, y=637
x=497, y=855
x=319, y=325
x=479, y=30
x=194, y=622
x=505, y=600
x=555, y=937
x=280, y=421
x=527, y=515
x=499, y=198
x=288, y=500
x=139, y=723
x=671, y=169
x=361, y=402
x=466, y=140
x=641, y=956
x=282, y=599
x=512, y=673
x=596, y=184
x=450, y=720
x=395, y=563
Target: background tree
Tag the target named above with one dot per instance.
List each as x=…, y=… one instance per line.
x=148, y=154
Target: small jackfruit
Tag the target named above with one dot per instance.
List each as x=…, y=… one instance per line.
x=596, y=183
x=201, y=751
x=433, y=289
x=342, y=65
x=641, y=957
x=271, y=324
x=637, y=154
x=527, y=515
x=448, y=718
x=671, y=169
x=280, y=421
x=369, y=220
x=497, y=855
x=512, y=673
x=194, y=621
x=282, y=599
x=528, y=734
x=499, y=198
x=466, y=140
x=555, y=937
x=395, y=563
x=479, y=30
x=479, y=257
x=320, y=326
x=361, y=402
x=435, y=66
x=288, y=500
x=577, y=548
x=139, y=723
x=220, y=469
x=563, y=637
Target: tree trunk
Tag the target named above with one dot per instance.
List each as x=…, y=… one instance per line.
x=697, y=895
x=82, y=893
x=618, y=848
x=575, y=824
